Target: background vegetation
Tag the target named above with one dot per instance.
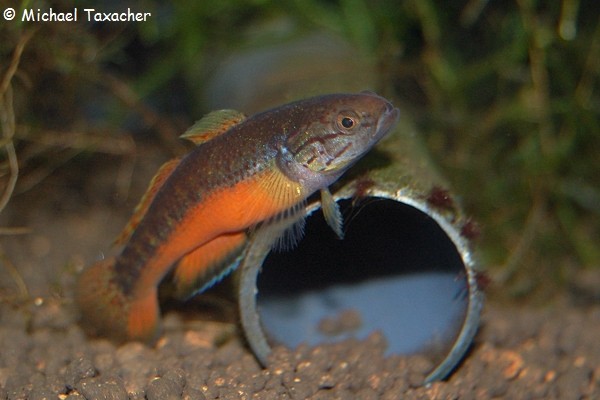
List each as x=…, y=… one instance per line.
x=506, y=94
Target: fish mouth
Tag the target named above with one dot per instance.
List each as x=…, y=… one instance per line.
x=387, y=121
x=388, y=118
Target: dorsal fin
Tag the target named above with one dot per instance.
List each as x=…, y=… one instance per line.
x=140, y=210
x=213, y=124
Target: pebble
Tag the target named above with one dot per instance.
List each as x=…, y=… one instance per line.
x=106, y=389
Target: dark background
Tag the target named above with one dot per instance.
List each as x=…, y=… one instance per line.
x=505, y=95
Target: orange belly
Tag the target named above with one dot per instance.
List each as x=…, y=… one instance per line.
x=220, y=223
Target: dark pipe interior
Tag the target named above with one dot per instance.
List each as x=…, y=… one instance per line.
x=382, y=237
x=386, y=243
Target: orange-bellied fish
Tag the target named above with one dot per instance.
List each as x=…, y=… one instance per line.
x=245, y=174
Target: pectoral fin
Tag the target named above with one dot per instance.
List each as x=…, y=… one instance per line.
x=208, y=264
x=331, y=212
x=140, y=210
x=213, y=124
x=284, y=229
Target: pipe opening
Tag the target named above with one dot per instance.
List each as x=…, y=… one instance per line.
x=396, y=271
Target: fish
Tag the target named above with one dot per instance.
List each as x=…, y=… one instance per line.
x=245, y=175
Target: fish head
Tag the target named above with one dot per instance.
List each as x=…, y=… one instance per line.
x=336, y=131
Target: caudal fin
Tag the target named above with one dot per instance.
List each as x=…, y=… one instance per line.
x=107, y=311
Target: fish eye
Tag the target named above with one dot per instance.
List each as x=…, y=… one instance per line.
x=346, y=121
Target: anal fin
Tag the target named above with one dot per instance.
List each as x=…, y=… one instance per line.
x=208, y=264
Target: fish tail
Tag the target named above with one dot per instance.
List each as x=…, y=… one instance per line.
x=143, y=316
x=107, y=311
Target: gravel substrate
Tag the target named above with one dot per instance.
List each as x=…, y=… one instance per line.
x=527, y=353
